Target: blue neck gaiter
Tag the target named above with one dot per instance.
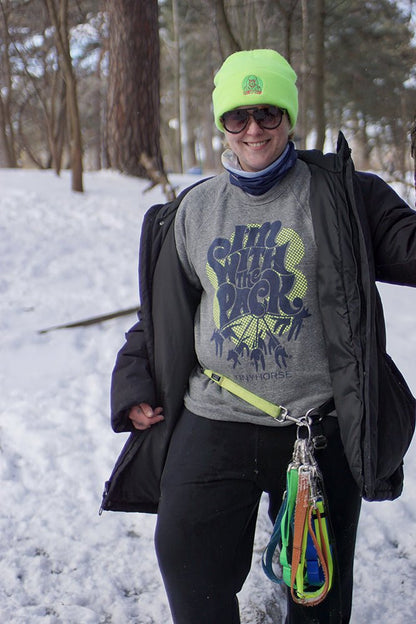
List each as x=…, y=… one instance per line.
x=259, y=182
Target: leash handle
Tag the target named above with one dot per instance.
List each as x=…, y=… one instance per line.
x=301, y=529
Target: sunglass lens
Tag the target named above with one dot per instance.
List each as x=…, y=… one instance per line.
x=235, y=120
x=268, y=118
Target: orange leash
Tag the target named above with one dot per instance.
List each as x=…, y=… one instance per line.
x=301, y=511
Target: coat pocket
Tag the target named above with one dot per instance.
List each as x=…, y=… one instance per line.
x=124, y=490
x=396, y=418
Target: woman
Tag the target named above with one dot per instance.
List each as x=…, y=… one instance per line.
x=263, y=277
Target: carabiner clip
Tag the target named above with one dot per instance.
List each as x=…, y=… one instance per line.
x=305, y=424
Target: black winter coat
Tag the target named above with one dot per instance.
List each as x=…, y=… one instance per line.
x=364, y=232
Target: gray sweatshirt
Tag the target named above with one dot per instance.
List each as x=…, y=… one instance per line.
x=258, y=321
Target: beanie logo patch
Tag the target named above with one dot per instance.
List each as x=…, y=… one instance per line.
x=252, y=85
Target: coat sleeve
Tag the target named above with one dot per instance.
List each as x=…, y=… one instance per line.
x=131, y=381
x=393, y=231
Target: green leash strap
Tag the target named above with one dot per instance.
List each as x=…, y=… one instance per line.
x=278, y=412
x=282, y=531
x=285, y=558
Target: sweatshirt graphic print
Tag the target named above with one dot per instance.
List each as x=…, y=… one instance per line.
x=258, y=322
x=258, y=293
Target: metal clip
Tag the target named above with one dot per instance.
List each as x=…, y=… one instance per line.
x=298, y=454
x=303, y=423
x=283, y=415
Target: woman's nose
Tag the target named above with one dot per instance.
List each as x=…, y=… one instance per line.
x=252, y=126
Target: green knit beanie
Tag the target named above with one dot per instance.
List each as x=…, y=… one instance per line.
x=254, y=77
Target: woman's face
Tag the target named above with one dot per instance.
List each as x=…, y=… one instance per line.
x=255, y=147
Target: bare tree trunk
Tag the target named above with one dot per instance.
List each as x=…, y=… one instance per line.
x=319, y=81
x=56, y=121
x=60, y=24
x=60, y=129
x=5, y=157
x=226, y=39
x=7, y=138
x=207, y=125
x=178, y=129
x=133, y=105
x=287, y=9
x=187, y=139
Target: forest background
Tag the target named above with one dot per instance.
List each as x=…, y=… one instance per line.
x=126, y=84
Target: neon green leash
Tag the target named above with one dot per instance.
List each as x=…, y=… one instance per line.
x=278, y=412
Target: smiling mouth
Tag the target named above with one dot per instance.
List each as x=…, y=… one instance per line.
x=256, y=144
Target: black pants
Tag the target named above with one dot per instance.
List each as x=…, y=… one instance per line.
x=211, y=487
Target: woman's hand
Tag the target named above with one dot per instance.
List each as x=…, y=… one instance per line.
x=143, y=416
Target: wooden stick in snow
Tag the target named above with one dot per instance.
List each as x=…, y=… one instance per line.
x=91, y=321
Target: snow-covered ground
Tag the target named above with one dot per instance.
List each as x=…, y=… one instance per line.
x=65, y=257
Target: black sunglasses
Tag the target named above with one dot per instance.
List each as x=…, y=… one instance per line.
x=268, y=118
